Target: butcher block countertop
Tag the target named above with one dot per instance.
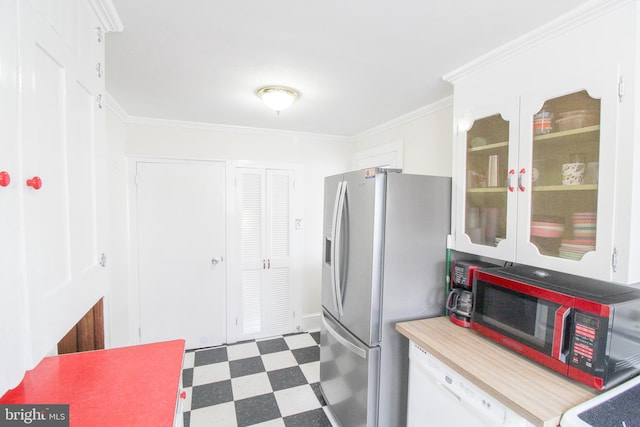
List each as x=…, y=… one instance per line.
x=538, y=394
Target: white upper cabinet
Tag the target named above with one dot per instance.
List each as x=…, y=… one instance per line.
x=540, y=139
x=56, y=200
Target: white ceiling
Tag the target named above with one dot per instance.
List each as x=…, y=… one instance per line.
x=356, y=63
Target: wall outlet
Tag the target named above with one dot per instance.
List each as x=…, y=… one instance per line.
x=299, y=224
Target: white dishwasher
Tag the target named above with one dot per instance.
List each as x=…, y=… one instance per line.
x=438, y=396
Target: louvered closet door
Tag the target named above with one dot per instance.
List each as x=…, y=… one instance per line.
x=264, y=208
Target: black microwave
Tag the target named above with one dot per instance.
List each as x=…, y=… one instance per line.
x=585, y=329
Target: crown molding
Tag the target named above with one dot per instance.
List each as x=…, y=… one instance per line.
x=107, y=15
x=574, y=18
x=115, y=107
x=409, y=117
x=121, y=113
x=235, y=129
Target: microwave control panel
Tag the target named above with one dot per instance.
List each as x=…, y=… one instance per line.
x=588, y=332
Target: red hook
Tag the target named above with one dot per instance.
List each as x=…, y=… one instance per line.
x=5, y=178
x=35, y=183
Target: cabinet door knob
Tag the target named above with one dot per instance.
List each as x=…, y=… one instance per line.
x=35, y=183
x=5, y=178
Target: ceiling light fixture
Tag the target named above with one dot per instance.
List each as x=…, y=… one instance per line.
x=277, y=97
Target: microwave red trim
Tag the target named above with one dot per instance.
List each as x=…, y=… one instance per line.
x=598, y=309
x=526, y=288
x=550, y=362
x=584, y=378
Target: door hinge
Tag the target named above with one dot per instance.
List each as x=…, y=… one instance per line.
x=614, y=260
x=236, y=321
x=621, y=89
x=103, y=260
x=140, y=334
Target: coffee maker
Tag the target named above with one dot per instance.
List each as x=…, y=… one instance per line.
x=460, y=298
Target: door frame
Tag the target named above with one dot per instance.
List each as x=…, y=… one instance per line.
x=234, y=334
x=132, y=222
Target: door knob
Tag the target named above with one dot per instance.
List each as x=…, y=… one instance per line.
x=216, y=260
x=5, y=178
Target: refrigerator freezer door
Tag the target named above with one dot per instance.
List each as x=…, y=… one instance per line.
x=349, y=373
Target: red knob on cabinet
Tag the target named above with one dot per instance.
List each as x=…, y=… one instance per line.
x=35, y=183
x=5, y=178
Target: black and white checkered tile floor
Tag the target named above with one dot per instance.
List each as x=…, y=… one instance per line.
x=266, y=383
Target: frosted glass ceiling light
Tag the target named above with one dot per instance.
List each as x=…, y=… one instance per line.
x=277, y=97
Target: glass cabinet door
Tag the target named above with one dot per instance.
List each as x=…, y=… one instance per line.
x=487, y=184
x=564, y=176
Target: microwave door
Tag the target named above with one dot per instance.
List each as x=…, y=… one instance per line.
x=528, y=323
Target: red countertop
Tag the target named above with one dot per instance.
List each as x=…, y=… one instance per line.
x=128, y=386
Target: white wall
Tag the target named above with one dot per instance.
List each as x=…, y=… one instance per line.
x=316, y=156
x=117, y=313
x=427, y=137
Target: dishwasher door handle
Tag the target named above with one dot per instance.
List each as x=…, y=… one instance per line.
x=448, y=389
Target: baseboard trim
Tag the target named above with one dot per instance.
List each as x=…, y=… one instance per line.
x=311, y=322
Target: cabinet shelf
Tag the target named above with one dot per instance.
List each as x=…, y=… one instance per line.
x=583, y=187
x=489, y=147
x=565, y=133
x=487, y=190
x=540, y=188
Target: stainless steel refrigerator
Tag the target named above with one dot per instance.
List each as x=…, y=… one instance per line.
x=384, y=261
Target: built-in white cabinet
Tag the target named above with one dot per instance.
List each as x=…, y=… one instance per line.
x=262, y=273
x=541, y=137
x=15, y=355
x=54, y=203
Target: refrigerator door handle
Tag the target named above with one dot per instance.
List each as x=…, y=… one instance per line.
x=333, y=266
x=346, y=343
x=337, y=245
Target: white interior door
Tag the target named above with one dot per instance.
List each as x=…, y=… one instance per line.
x=181, y=250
